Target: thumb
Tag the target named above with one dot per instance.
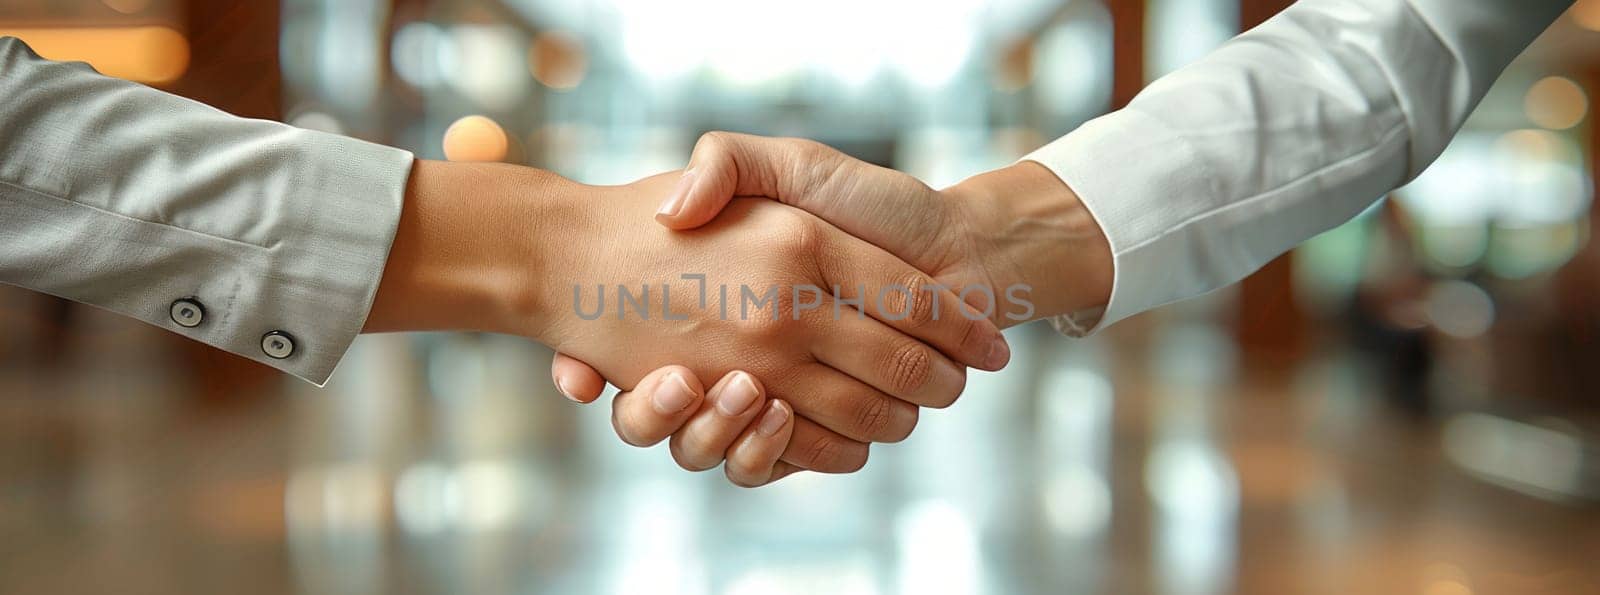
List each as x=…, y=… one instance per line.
x=887, y=208
x=727, y=165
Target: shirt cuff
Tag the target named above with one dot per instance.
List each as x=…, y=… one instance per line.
x=1128, y=169
x=331, y=252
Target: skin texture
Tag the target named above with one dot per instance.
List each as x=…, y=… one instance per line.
x=501, y=248
x=1017, y=225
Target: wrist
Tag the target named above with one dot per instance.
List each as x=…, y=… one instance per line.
x=1031, y=229
x=464, y=256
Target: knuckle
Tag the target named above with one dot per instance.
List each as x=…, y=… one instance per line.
x=913, y=304
x=777, y=318
x=744, y=474
x=801, y=234
x=830, y=454
x=874, y=418
x=810, y=151
x=713, y=141
x=908, y=367
x=690, y=458
x=973, y=339
x=766, y=321
x=625, y=429
x=820, y=453
x=815, y=164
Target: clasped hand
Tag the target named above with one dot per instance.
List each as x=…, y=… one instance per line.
x=855, y=383
x=822, y=308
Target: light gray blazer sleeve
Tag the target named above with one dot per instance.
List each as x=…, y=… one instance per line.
x=130, y=199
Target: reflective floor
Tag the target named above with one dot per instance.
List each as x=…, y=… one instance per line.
x=447, y=464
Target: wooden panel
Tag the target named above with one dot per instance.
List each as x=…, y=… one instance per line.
x=1271, y=326
x=235, y=57
x=1127, y=46
x=235, y=69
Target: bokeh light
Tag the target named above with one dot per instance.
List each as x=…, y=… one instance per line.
x=1586, y=13
x=1074, y=65
x=316, y=120
x=487, y=63
x=1556, y=103
x=1541, y=178
x=476, y=138
x=1538, y=145
x=558, y=60
x=1182, y=31
x=153, y=55
x=1543, y=460
x=419, y=53
x=1460, y=309
x=665, y=41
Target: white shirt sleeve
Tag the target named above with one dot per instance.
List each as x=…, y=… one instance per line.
x=1282, y=133
x=255, y=237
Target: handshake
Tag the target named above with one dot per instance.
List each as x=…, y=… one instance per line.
x=823, y=300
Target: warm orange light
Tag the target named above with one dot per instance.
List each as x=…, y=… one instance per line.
x=1556, y=103
x=558, y=60
x=1535, y=145
x=145, y=54
x=476, y=138
x=1587, y=14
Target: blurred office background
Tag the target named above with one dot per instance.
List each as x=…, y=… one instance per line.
x=1407, y=404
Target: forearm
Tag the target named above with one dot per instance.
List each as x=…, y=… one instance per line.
x=473, y=241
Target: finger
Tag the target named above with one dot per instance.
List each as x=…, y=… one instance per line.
x=894, y=293
x=576, y=380
x=897, y=365
x=815, y=448
x=847, y=406
x=657, y=407
x=782, y=470
x=725, y=165
x=753, y=460
x=729, y=407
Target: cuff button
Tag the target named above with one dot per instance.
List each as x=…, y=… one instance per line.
x=187, y=312
x=277, y=345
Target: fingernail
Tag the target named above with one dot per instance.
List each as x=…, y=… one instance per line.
x=673, y=395
x=561, y=386
x=776, y=416
x=999, y=354
x=680, y=194
x=737, y=396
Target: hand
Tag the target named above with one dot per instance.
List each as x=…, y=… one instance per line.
x=1019, y=225
x=1016, y=226
x=474, y=251
x=735, y=421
